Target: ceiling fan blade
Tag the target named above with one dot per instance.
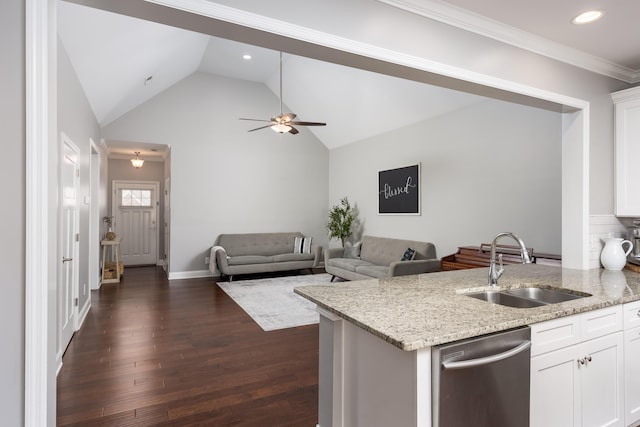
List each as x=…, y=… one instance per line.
x=255, y=120
x=261, y=127
x=293, y=130
x=306, y=123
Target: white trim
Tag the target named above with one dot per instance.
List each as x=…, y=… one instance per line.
x=478, y=24
x=83, y=313
x=285, y=29
x=95, y=161
x=177, y=275
x=40, y=129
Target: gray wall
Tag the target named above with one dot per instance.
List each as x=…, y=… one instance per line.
x=223, y=178
x=121, y=169
x=76, y=120
x=487, y=168
x=12, y=226
x=410, y=34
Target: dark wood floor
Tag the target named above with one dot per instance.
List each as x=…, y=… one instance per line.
x=182, y=353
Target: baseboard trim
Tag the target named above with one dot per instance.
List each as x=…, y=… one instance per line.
x=176, y=275
x=83, y=314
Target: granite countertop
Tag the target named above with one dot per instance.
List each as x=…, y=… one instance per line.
x=413, y=312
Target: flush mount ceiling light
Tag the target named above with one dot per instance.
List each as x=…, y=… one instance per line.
x=588, y=17
x=137, y=162
x=246, y=56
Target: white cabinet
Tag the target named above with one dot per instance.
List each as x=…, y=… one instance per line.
x=632, y=362
x=627, y=151
x=577, y=370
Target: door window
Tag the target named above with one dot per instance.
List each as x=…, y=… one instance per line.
x=132, y=197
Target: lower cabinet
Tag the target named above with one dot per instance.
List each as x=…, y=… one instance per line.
x=577, y=374
x=632, y=376
x=580, y=385
x=632, y=363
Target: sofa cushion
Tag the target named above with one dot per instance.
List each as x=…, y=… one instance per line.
x=348, y=264
x=373, y=270
x=302, y=245
x=265, y=244
x=384, y=251
x=292, y=257
x=352, y=250
x=249, y=259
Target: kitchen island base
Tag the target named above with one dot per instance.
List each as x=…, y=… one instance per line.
x=364, y=381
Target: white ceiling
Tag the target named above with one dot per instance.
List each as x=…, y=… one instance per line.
x=113, y=55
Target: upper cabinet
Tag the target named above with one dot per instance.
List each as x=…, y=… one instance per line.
x=627, y=152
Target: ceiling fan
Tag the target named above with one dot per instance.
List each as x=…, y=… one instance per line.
x=283, y=122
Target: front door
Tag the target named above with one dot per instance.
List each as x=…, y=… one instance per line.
x=135, y=215
x=67, y=308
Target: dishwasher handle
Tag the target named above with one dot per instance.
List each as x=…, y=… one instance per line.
x=488, y=359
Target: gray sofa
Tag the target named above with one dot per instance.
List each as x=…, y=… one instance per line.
x=381, y=257
x=260, y=253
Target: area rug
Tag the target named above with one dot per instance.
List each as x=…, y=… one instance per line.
x=271, y=302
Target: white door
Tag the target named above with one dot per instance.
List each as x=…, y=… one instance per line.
x=555, y=389
x=135, y=215
x=602, y=382
x=68, y=292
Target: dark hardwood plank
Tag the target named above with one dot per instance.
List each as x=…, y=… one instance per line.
x=182, y=353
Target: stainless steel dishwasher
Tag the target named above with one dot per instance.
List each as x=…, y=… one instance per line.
x=483, y=381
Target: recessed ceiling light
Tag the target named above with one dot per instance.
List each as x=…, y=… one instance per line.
x=588, y=17
x=246, y=56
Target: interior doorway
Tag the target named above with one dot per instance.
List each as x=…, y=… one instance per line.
x=134, y=208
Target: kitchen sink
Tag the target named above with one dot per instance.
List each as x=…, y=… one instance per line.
x=527, y=297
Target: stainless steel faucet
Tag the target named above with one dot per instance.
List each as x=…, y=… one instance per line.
x=495, y=273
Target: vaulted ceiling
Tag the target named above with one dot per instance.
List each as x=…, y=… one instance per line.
x=122, y=62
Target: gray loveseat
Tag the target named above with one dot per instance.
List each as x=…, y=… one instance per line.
x=381, y=257
x=260, y=253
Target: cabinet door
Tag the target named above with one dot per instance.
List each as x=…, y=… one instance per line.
x=627, y=153
x=602, y=381
x=632, y=375
x=555, y=389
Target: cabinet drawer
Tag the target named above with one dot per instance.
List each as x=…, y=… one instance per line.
x=631, y=313
x=601, y=322
x=554, y=334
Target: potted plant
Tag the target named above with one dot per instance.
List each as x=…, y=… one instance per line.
x=341, y=218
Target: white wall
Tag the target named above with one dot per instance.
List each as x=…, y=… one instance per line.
x=12, y=226
x=223, y=178
x=77, y=121
x=487, y=168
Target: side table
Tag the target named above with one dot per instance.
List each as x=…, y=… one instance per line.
x=115, y=253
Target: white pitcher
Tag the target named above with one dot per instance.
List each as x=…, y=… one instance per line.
x=613, y=256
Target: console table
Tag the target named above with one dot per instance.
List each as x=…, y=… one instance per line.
x=115, y=253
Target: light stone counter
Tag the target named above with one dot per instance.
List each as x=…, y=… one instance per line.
x=413, y=312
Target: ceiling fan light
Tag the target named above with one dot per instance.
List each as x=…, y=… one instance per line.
x=137, y=162
x=281, y=128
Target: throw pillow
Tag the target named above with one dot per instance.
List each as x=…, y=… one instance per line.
x=352, y=250
x=302, y=245
x=408, y=255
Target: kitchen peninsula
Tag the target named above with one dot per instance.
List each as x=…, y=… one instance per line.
x=376, y=336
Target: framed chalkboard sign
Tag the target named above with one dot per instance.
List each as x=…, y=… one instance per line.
x=399, y=191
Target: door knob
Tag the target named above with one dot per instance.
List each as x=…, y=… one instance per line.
x=64, y=259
